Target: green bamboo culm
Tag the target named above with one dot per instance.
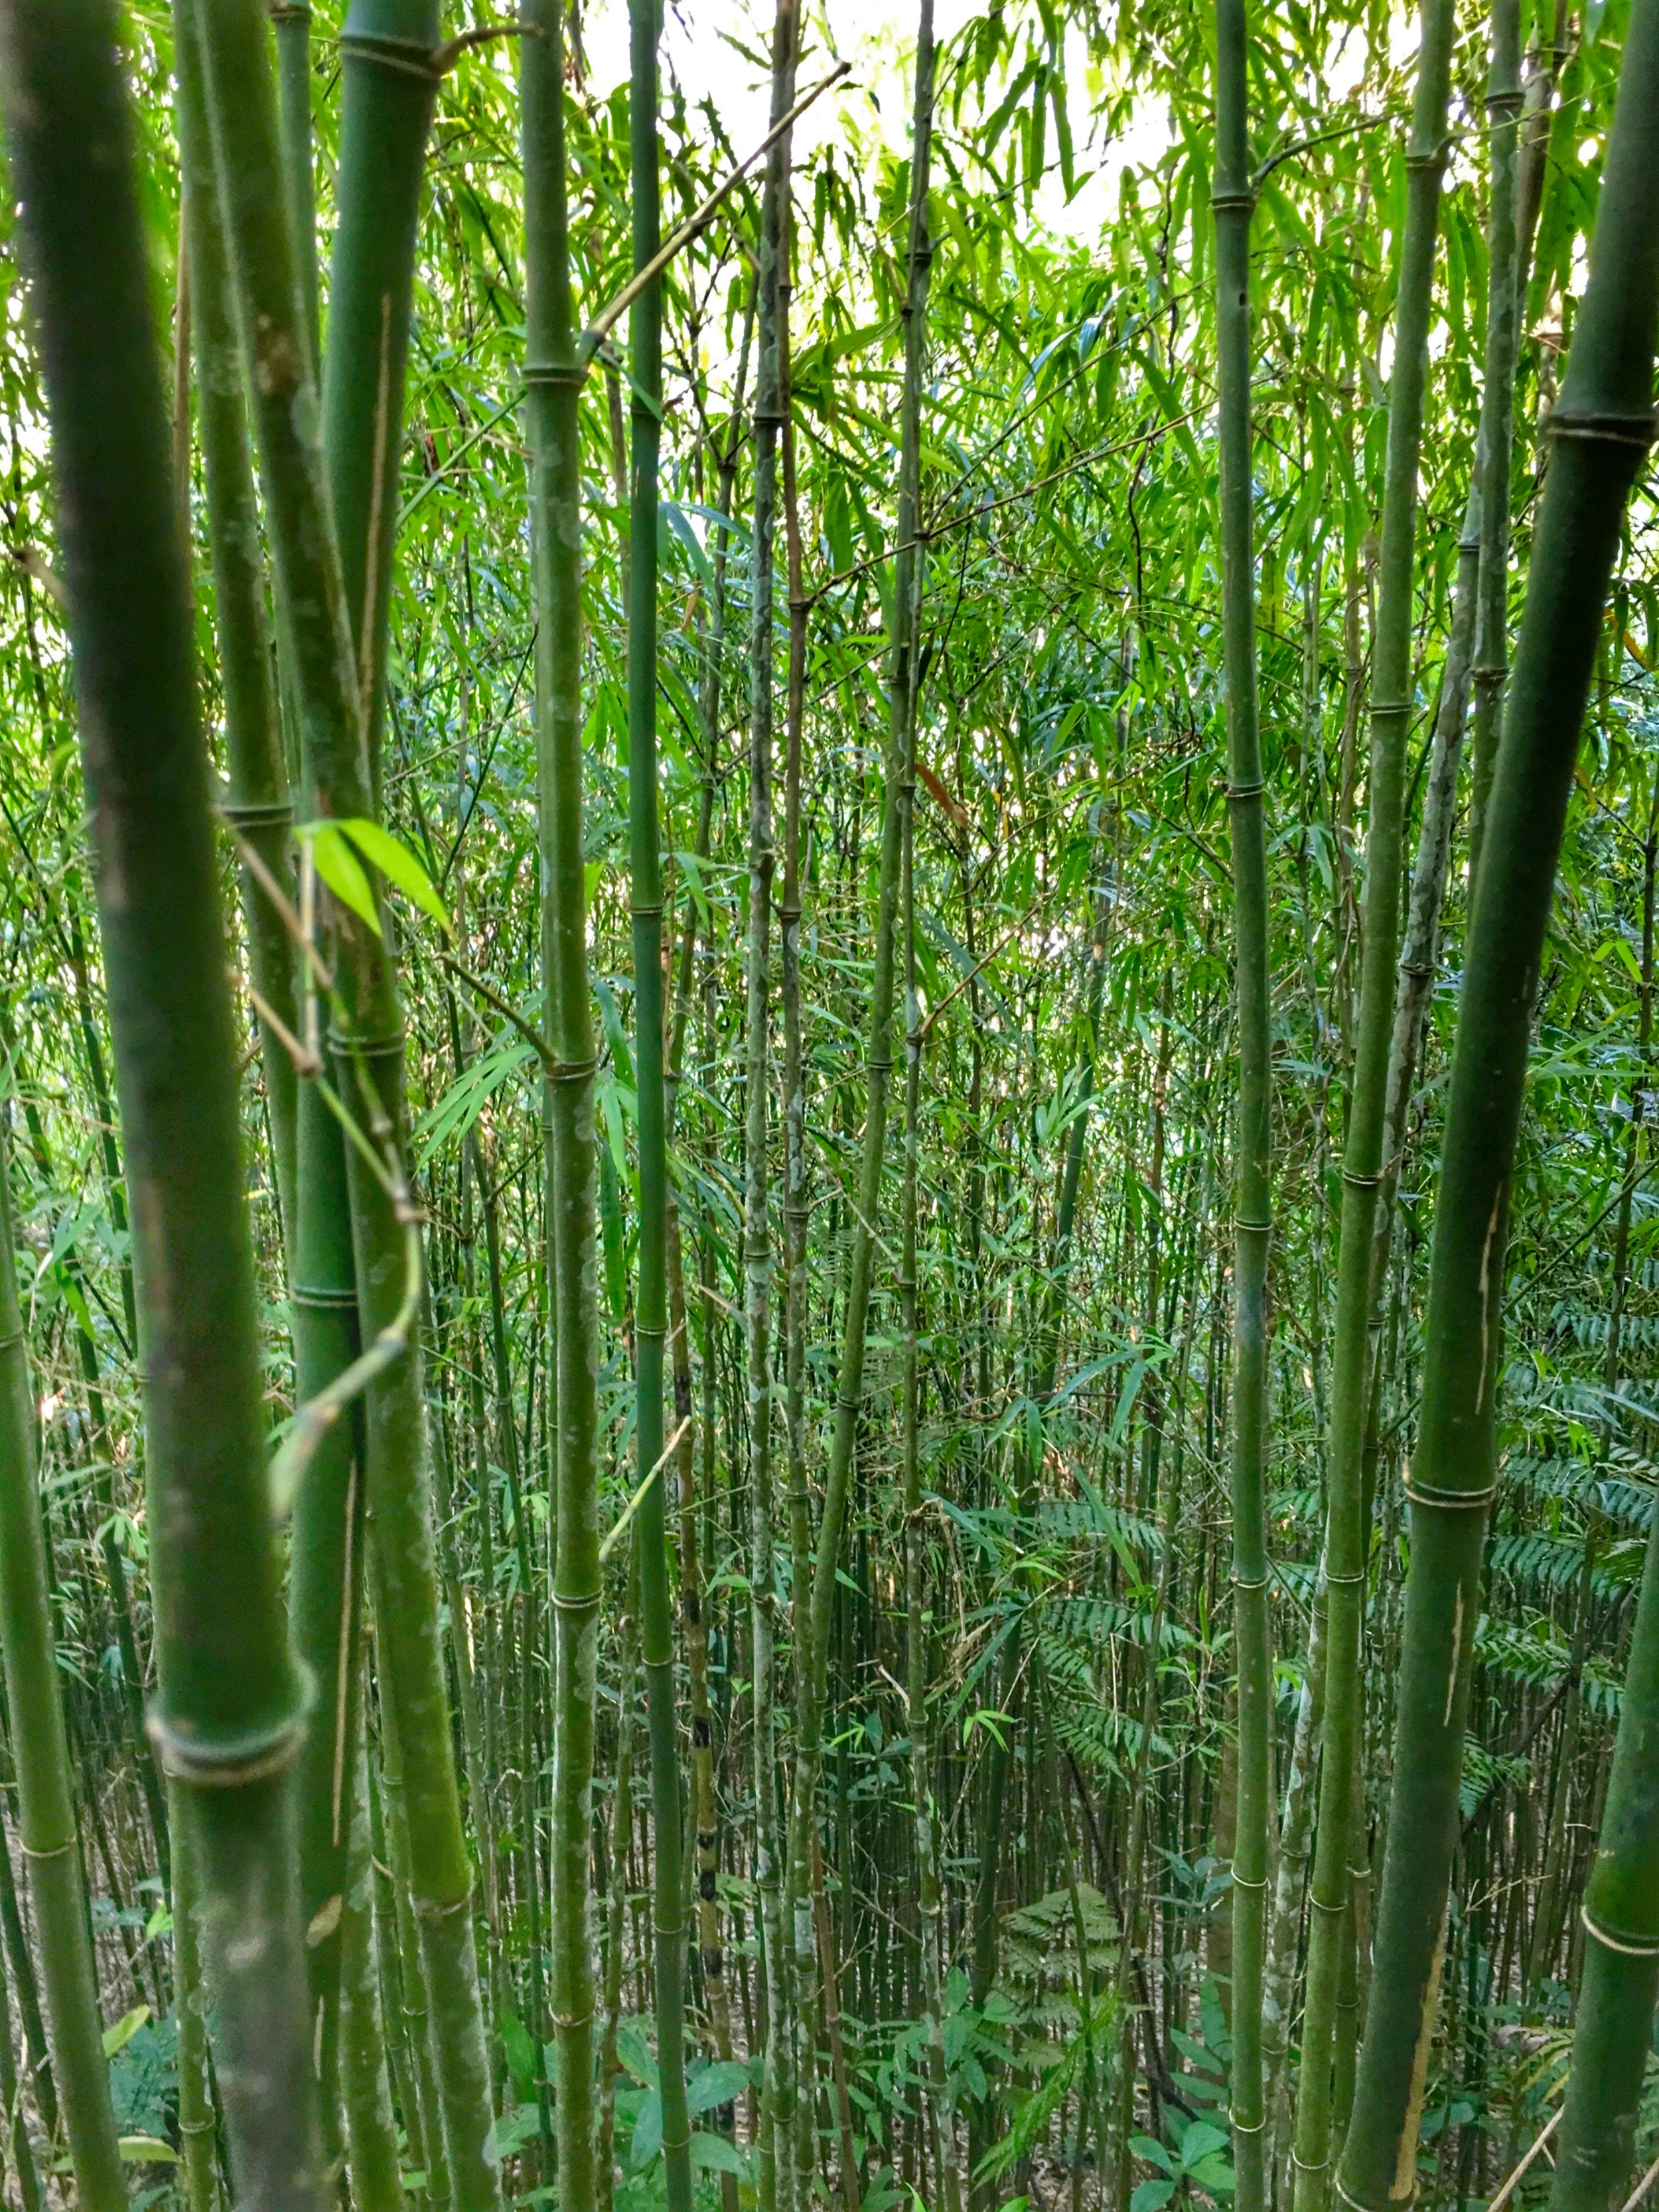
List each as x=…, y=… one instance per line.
x=389, y=82
x=1362, y=1161
x=322, y=1278
x=291, y=21
x=1599, y=431
x=1233, y=202
x=331, y=685
x=651, y=1310
x=306, y=1138
x=1613, y=2031
x=198, y=2130
x=257, y=802
x=552, y=385
x=1492, y=451
x=909, y=577
x=228, y=1715
x=46, y=1804
x=780, y=2180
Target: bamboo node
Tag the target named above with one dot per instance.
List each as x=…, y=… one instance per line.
x=13, y=1336
x=207, y=2127
x=380, y=1046
x=1252, y=1228
x=587, y=1604
x=1361, y=1181
x=1601, y=429
x=1241, y=791
x=1503, y=103
x=1245, y=2127
x=235, y=1762
x=571, y=1070
x=402, y=55
x=1241, y=1882
x=1308, y=2165
x=327, y=1296
x=570, y=2021
x=273, y=814
x=557, y=375
x=58, y=1851
x=1240, y=1583
x=1343, y=1582
x=282, y=12
x=430, y=1909
x=1220, y=203
x=1430, y=1493
x=1352, y=2201
x=1638, y=1947
x=1380, y=707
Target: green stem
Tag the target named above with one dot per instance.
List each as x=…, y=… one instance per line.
x=228, y=1715
x=46, y=1805
x=553, y=382
x=1602, y=426
x=1362, y=1162
x=650, y=1532
x=1233, y=202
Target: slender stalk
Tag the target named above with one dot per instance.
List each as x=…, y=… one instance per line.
x=908, y=584
x=228, y=1714
x=1362, y=1162
x=45, y=1806
x=198, y=2129
x=929, y=1905
x=1602, y=426
x=291, y=21
x=365, y=2083
x=328, y=597
x=651, y=1532
x=1492, y=451
x=258, y=803
x=779, y=2113
x=1614, y=2028
x=1233, y=201
x=328, y=1517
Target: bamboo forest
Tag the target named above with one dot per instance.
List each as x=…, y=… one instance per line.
x=828, y=1106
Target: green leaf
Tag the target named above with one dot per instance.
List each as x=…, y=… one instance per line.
x=122, y=2032
x=1200, y=2142
x=341, y=870
x=521, y=2054
x=1151, y=2196
x=715, y=2085
x=398, y=865
x=713, y=2153
x=647, y=2132
x=148, y=2150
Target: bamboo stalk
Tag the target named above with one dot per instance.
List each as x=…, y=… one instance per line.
x=1602, y=426
x=783, y=2139
x=1362, y=1162
x=1233, y=201
x=228, y=1715
x=1493, y=450
x=45, y=1808
x=258, y=803
x=651, y=1535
